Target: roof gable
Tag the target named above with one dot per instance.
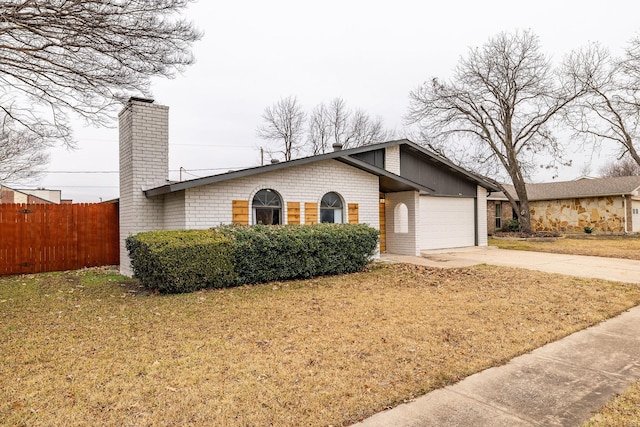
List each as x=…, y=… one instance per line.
x=352, y=157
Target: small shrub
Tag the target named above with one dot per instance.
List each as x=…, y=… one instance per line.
x=511, y=226
x=588, y=229
x=267, y=253
x=182, y=260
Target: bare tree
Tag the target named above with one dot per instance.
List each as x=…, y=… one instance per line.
x=319, y=131
x=22, y=154
x=284, y=121
x=81, y=57
x=366, y=131
x=623, y=167
x=339, y=116
x=337, y=123
x=609, y=111
x=494, y=114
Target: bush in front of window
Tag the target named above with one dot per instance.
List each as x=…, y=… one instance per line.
x=269, y=253
x=182, y=260
x=511, y=226
x=189, y=260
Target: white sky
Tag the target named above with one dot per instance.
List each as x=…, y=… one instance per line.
x=370, y=53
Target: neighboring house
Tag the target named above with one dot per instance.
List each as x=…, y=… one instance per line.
x=609, y=205
x=12, y=195
x=416, y=199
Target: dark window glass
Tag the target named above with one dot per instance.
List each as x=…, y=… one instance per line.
x=267, y=208
x=331, y=208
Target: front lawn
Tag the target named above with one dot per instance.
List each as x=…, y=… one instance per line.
x=92, y=348
x=627, y=247
x=623, y=410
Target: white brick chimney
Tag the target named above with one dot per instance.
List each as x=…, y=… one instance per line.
x=144, y=163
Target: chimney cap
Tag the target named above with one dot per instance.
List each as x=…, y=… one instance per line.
x=337, y=146
x=139, y=99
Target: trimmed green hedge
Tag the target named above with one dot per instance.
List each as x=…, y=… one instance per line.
x=267, y=253
x=182, y=260
x=188, y=260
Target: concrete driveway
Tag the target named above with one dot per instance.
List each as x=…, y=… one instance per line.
x=622, y=270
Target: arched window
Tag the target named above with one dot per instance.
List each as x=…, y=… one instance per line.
x=331, y=208
x=267, y=208
x=401, y=218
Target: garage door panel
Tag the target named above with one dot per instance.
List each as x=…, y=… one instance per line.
x=446, y=222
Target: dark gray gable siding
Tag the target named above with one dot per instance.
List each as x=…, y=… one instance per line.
x=433, y=174
x=374, y=157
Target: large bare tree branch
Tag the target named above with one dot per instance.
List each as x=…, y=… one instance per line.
x=82, y=57
x=494, y=114
x=609, y=111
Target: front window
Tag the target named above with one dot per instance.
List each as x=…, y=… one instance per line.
x=498, y=216
x=331, y=208
x=267, y=208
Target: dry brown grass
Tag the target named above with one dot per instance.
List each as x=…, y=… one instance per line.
x=623, y=411
x=90, y=348
x=627, y=247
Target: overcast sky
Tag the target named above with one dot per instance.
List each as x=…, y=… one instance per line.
x=370, y=53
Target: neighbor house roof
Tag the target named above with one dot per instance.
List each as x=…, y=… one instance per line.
x=583, y=187
x=389, y=182
x=32, y=194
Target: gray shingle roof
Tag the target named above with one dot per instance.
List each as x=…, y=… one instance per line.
x=584, y=187
x=392, y=181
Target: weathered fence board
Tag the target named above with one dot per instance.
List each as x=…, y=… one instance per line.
x=41, y=237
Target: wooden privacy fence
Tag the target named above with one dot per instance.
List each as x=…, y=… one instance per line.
x=41, y=237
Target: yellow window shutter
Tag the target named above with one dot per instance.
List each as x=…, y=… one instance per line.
x=310, y=213
x=240, y=212
x=293, y=212
x=353, y=213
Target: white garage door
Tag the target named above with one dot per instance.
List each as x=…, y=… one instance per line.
x=446, y=222
x=635, y=219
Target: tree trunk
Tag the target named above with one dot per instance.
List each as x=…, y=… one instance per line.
x=522, y=210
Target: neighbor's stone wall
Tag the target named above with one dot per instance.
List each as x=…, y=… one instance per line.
x=604, y=214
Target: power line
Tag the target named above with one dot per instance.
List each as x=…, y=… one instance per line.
x=170, y=170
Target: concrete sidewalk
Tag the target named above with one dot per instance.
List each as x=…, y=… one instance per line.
x=560, y=384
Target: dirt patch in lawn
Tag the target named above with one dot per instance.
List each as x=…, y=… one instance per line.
x=90, y=347
x=627, y=247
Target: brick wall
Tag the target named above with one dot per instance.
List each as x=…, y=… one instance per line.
x=144, y=163
x=507, y=214
x=392, y=159
x=211, y=205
